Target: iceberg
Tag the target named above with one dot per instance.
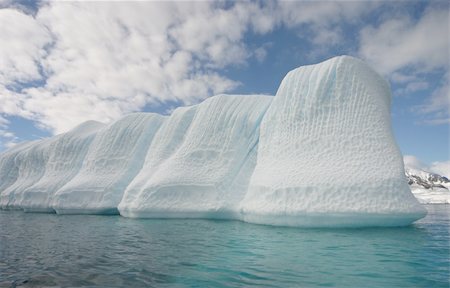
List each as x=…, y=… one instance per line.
x=200, y=161
x=66, y=155
x=330, y=124
x=9, y=171
x=26, y=167
x=299, y=158
x=115, y=156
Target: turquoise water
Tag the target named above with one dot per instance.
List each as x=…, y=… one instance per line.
x=110, y=251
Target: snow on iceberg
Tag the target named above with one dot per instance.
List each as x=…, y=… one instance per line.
x=298, y=159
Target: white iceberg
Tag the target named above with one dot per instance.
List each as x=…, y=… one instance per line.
x=200, y=161
x=26, y=169
x=298, y=159
x=66, y=154
x=327, y=126
x=114, y=157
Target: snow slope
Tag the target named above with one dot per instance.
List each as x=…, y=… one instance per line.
x=297, y=159
x=428, y=188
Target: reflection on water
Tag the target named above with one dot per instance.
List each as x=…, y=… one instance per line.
x=49, y=250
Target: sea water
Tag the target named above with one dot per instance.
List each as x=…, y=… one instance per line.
x=111, y=251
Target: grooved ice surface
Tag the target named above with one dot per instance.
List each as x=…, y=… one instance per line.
x=13, y=167
x=115, y=156
x=200, y=161
x=319, y=153
x=66, y=155
x=328, y=125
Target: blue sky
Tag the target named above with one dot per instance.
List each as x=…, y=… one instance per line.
x=65, y=63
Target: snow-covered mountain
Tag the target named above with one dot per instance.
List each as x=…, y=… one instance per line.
x=297, y=159
x=429, y=188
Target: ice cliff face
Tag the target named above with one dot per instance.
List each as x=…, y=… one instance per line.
x=200, y=162
x=294, y=159
x=12, y=167
x=65, y=155
x=114, y=158
x=329, y=122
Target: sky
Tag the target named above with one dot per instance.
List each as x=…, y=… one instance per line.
x=63, y=63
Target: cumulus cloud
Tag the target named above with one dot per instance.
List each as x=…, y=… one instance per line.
x=436, y=108
x=7, y=138
x=19, y=59
x=261, y=52
x=400, y=43
x=413, y=162
x=442, y=168
x=405, y=49
x=77, y=61
x=438, y=167
x=62, y=63
x=68, y=62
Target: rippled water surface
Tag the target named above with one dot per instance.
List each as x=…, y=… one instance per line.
x=111, y=251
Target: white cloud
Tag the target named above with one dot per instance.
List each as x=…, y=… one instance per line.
x=101, y=60
x=436, y=108
x=322, y=14
x=3, y=122
x=439, y=100
x=400, y=77
x=412, y=85
x=22, y=46
x=329, y=37
x=400, y=43
x=439, y=167
x=413, y=162
x=405, y=50
x=417, y=86
x=261, y=52
x=7, y=138
x=68, y=62
x=76, y=61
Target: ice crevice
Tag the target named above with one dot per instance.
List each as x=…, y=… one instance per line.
x=299, y=158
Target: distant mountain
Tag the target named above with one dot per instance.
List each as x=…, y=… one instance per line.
x=429, y=188
x=425, y=179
